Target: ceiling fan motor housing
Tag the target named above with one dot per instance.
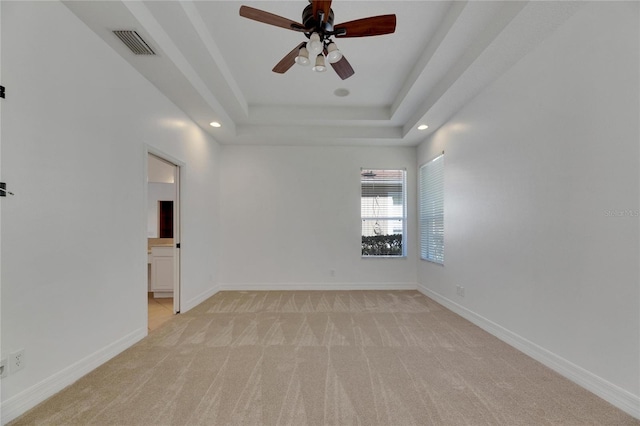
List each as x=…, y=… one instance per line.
x=310, y=21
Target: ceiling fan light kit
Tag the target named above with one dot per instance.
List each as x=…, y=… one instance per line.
x=318, y=27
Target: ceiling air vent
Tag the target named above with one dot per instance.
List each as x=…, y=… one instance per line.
x=134, y=42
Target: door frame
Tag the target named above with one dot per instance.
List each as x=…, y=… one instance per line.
x=177, y=222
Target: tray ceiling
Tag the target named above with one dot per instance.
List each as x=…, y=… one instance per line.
x=216, y=65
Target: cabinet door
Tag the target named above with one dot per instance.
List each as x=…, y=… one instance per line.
x=162, y=273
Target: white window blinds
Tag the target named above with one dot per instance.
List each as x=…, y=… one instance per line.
x=431, y=210
x=383, y=212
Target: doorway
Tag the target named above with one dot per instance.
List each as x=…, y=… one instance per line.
x=163, y=239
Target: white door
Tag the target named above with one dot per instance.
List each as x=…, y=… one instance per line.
x=163, y=184
x=176, y=240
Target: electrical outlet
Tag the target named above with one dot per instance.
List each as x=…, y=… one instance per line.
x=17, y=361
x=4, y=368
x=460, y=291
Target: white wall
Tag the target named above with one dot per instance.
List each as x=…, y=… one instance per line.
x=534, y=168
x=72, y=100
x=160, y=171
x=291, y=215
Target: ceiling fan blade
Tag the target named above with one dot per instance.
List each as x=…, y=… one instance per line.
x=288, y=61
x=343, y=68
x=270, y=18
x=321, y=5
x=366, y=27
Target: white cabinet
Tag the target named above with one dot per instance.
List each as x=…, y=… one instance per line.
x=161, y=270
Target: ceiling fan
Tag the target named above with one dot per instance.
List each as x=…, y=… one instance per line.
x=317, y=26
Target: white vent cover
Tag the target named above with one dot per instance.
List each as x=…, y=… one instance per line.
x=134, y=42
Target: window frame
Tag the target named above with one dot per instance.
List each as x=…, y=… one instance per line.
x=402, y=218
x=431, y=215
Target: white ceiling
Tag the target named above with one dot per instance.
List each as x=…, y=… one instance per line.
x=216, y=65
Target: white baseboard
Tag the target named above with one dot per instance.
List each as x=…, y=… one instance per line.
x=316, y=286
x=624, y=400
x=29, y=398
x=192, y=303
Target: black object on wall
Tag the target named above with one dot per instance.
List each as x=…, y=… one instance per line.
x=3, y=190
x=165, y=219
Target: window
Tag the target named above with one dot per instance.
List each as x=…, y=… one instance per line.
x=383, y=212
x=431, y=205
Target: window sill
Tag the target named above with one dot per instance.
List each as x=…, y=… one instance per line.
x=383, y=257
x=432, y=261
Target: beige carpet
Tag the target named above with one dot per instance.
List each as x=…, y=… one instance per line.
x=323, y=358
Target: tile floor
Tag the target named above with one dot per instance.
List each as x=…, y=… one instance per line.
x=160, y=311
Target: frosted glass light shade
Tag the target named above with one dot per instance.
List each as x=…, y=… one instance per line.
x=314, y=45
x=303, y=56
x=333, y=54
x=319, y=67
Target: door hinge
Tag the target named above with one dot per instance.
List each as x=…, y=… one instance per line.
x=178, y=245
x=2, y=92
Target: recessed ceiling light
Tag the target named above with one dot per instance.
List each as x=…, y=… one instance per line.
x=215, y=124
x=342, y=92
x=423, y=127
